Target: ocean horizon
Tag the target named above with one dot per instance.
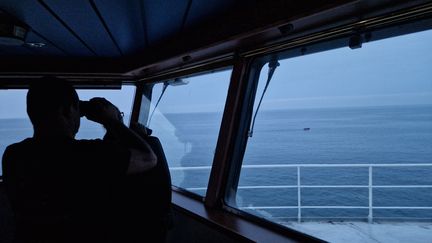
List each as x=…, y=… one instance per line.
x=342, y=135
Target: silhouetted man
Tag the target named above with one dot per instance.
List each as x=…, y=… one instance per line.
x=62, y=189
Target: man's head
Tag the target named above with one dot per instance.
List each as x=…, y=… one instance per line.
x=53, y=102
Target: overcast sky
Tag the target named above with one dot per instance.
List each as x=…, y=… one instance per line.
x=395, y=71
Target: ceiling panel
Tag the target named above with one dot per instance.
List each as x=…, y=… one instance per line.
x=83, y=20
x=163, y=18
x=200, y=10
x=43, y=22
x=125, y=21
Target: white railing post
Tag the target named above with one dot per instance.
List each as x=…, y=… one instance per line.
x=298, y=195
x=370, y=216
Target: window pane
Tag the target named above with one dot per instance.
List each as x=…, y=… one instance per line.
x=123, y=99
x=187, y=121
x=336, y=122
x=15, y=125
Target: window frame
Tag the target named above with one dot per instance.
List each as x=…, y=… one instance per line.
x=241, y=96
x=141, y=109
x=376, y=32
x=212, y=208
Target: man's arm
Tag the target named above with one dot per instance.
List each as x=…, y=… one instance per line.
x=142, y=156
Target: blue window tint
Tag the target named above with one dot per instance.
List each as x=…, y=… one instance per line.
x=187, y=121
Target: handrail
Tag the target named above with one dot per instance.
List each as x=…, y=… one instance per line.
x=299, y=186
x=305, y=165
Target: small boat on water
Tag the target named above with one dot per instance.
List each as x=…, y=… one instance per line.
x=306, y=129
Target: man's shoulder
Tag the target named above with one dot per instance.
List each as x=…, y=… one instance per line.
x=20, y=145
x=16, y=150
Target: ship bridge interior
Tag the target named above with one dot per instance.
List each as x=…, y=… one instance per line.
x=150, y=45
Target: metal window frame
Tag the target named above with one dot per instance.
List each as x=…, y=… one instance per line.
x=237, y=114
x=145, y=88
x=374, y=29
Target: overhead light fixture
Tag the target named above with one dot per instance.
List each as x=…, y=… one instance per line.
x=12, y=32
x=35, y=44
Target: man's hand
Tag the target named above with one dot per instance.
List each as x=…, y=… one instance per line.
x=102, y=111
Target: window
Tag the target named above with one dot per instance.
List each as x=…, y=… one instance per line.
x=121, y=98
x=187, y=121
x=344, y=136
x=15, y=125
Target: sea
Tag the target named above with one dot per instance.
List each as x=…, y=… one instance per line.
x=320, y=136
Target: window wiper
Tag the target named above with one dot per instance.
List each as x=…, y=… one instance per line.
x=174, y=82
x=272, y=67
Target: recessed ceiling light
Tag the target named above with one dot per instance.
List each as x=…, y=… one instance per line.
x=35, y=44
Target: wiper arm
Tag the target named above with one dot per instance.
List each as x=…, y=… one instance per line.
x=272, y=68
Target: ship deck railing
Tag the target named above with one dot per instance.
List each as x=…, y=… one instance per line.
x=299, y=186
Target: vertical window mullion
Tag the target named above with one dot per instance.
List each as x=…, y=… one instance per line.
x=220, y=179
